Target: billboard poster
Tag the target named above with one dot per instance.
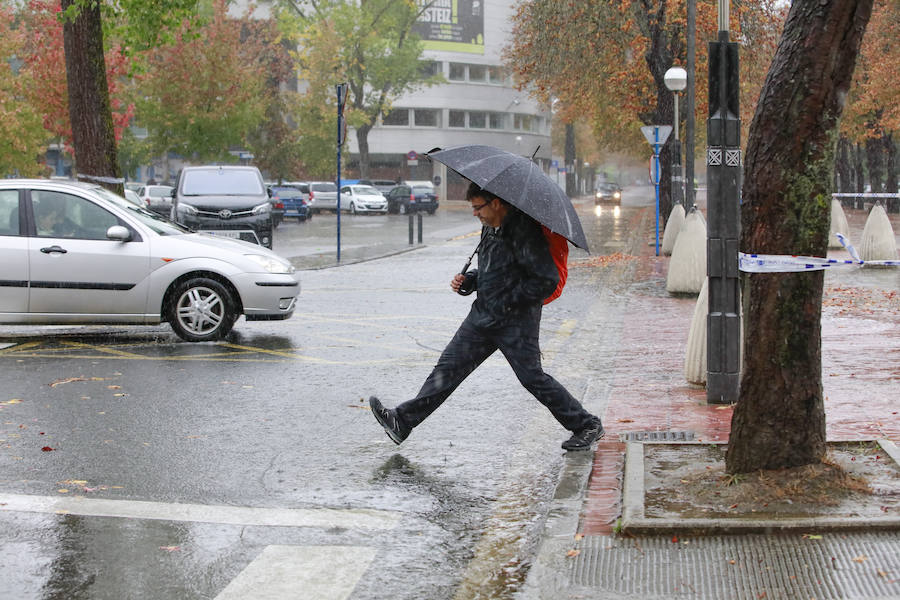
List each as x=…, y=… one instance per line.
x=451, y=25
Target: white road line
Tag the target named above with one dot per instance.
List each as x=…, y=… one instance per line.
x=229, y=515
x=307, y=572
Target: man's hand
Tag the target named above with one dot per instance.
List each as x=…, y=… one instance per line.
x=457, y=281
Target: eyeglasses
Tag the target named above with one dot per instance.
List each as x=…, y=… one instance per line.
x=479, y=207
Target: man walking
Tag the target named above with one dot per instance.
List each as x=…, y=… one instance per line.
x=515, y=274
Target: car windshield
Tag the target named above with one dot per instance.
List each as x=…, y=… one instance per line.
x=157, y=223
x=287, y=192
x=160, y=192
x=323, y=187
x=608, y=187
x=366, y=190
x=221, y=182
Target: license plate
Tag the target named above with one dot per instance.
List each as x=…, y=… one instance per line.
x=236, y=235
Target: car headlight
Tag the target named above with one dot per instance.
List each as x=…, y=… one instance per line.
x=186, y=209
x=262, y=208
x=617, y=195
x=272, y=264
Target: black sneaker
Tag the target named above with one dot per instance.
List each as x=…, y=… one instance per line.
x=387, y=418
x=582, y=439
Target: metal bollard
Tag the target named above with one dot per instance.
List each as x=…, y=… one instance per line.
x=419, y=215
x=410, y=229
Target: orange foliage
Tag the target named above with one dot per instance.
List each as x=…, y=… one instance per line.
x=595, y=55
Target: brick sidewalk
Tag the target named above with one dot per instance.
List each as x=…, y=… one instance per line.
x=649, y=391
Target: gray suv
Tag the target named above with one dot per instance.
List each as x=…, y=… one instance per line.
x=229, y=201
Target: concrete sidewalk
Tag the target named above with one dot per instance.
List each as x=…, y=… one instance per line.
x=580, y=554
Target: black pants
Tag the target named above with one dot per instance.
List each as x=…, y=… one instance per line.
x=470, y=347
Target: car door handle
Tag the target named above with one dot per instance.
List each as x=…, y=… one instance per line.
x=51, y=249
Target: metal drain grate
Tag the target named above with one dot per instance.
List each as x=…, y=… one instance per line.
x=657, y=436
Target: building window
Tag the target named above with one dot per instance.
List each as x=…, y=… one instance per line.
x=457, y=118
x=477, y=120
x=427, y=117
x=477, y=73
x=429, y=68
x=496, y=74
x=522, y=122
x=496, y=121
x=457, y=72
x=398, y=117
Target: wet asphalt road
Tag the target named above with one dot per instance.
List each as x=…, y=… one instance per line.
x=134, y=465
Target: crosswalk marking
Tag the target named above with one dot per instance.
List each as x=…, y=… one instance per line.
x=199, y=513
x=307, y=572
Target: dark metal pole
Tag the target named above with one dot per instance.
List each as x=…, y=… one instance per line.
x=677, y=189
x=341, y=89
x=689, y=108
x=723, y=159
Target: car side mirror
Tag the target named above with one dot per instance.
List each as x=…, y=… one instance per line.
x=269, y=191
x=174, y=192
x=118, y=233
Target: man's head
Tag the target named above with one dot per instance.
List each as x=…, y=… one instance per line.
x=489, y=208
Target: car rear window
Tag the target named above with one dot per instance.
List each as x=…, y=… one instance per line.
x=224, y=182
x=323, y=187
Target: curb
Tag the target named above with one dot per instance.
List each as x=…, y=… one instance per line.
x=549, y=569
x=634, y=521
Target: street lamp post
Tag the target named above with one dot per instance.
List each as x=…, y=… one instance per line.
x=723, y=167
x=676, y=80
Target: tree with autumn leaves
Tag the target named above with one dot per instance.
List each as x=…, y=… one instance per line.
x=870, y=129
x=22, y=135
x=367, y=44
x=606, y=60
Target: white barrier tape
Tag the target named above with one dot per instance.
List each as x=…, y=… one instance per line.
x=101, y=179
x=782, y=263
x=866, y=195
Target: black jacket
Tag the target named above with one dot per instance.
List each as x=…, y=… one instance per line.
x=515, y=272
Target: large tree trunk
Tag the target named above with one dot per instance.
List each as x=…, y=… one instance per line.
x=779, y=420
x=362, y=138
x=93, y=135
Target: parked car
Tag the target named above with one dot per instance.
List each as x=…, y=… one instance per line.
x=608, y=192
x=157, y=198
x=383, y=185
x=322, y=196
x=362, y=199
x=292, y=200
x=230, y=201
x=405, y=198
x=80, y=254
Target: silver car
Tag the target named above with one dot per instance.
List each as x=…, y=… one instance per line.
x=322, y=196
x=73, y=253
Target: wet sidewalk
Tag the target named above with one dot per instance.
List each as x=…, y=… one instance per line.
x=581, y=557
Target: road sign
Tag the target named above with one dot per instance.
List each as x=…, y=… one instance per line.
x=412, y=155
x=656, y=134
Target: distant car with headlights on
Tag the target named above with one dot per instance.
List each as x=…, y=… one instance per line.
x=75, y=253
x=608, y=192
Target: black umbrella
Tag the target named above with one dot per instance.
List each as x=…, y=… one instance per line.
x=520, y=182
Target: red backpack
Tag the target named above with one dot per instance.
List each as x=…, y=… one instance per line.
x=559, y=250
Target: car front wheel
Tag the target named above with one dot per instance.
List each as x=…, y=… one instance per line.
x=201, y=310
